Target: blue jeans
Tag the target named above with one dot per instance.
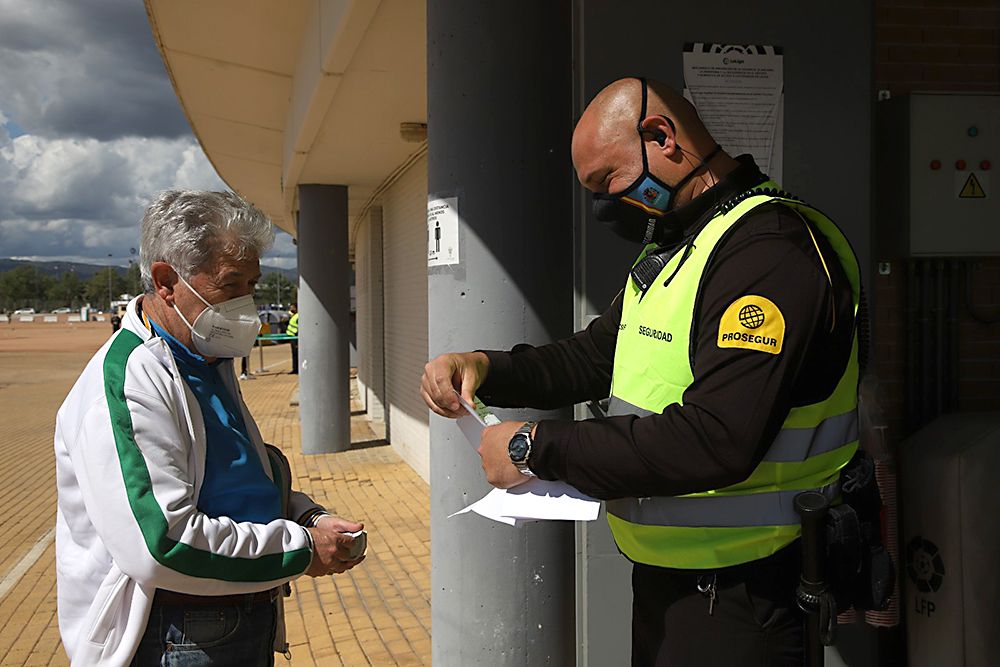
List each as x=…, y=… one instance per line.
x=203, y=635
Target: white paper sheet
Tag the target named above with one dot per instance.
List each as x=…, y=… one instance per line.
x=479, y=418
x=536, y=499
x=489, y=506
x=739, y=93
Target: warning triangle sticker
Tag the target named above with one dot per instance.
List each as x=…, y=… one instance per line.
x=972, y=189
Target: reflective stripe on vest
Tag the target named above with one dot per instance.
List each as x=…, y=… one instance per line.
x=791, y=444
x=716, y=511
x=755, y=517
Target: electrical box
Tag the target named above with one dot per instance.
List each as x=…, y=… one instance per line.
x=935, y=190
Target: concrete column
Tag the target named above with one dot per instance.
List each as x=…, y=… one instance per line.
x=500, y=121
x=324, y=319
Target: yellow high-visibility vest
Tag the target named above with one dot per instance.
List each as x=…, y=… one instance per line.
x=756, y=517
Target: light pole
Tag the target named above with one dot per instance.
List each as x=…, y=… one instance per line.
x=135, y=285
x=109, y=285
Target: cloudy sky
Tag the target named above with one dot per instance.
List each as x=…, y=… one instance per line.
x=90, y=130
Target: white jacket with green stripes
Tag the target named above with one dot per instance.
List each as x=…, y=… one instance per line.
x=130, y=460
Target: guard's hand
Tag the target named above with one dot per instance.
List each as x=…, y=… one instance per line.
x=331, y=546
x=500, y=472
x=463, y=372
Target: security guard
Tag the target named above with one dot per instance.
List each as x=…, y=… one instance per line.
x=731, y=360
x=293, y=330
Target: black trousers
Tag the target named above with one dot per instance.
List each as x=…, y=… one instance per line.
x=295, y=357
x=753, y=621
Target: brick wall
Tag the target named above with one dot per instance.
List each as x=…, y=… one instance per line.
x=939, y=45
x=979, y=349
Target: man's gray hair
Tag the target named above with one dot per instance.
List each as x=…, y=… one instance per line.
x=188, y=229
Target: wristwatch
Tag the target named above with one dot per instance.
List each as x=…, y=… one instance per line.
x=519, y=448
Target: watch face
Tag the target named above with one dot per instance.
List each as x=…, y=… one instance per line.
x=518, y=447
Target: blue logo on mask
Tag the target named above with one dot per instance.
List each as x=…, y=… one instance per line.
x=650, y=196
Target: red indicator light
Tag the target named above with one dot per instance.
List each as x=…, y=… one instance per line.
x=935, y=164
x=960, y=165
x=985, y=165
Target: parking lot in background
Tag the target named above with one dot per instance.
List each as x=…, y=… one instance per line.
x=376, y=614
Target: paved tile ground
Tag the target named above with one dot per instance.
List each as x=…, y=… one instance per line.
x=376, y=614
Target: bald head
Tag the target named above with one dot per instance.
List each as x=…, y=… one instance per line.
x=612, y=115
x=606, y=146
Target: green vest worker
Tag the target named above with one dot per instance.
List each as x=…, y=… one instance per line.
x=731, y=360
x=293, y=330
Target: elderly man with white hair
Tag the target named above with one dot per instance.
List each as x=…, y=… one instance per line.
x=177, y=529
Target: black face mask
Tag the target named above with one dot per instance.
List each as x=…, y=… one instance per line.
x=637, y=213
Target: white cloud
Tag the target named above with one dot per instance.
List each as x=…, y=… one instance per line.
x=79, y=197
x=70, y=196
x=283, y=254
x=99, y=131
x=85, y=69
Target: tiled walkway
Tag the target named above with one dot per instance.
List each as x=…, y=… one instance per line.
x=376, y=614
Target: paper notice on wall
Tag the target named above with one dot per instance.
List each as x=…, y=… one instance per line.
x=442, y=231
x=739, y=93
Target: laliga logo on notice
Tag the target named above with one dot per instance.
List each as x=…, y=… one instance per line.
x=650, y=194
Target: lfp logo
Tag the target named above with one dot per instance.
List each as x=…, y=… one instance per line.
x=925, y=568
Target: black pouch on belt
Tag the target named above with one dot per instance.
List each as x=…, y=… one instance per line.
x=860, y=570
x=843, y=549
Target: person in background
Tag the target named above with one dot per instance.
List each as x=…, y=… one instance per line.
x=116, y=322
x=177, y=529
x=293, y=330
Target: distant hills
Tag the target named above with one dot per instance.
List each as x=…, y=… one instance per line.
x=85, y=271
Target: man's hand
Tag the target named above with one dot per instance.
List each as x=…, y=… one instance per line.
x=331, y=546
x=463, y=372
x=500, y=472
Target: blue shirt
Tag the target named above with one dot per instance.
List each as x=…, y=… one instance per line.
x=235, y=483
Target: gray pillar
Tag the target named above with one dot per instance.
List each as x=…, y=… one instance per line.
x=324, y=319
x=500, y=121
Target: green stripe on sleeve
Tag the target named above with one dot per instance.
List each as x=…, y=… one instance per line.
x=168, y=552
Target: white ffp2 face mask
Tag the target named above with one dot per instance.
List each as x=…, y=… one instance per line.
x=227, y=329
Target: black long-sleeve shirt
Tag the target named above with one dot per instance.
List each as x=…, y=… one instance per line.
x=739, y=398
